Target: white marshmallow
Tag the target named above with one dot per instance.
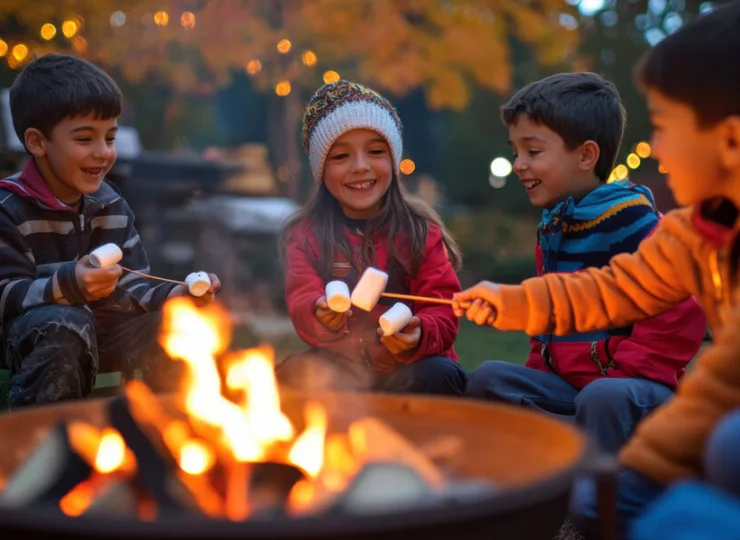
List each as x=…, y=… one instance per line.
x=106, y=255
x=198, y=283
x=337, y=296
x=369, y=288
x=395, y=319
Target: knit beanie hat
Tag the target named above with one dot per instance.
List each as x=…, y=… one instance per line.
x=340, y=107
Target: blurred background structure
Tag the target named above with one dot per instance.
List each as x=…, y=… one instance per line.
x=210, y=155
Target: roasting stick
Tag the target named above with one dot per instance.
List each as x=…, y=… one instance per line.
x=142, y=274
x=422, y=299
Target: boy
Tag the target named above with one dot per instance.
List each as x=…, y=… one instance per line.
x=565, y=132
x=61, y=317
x=692, y=83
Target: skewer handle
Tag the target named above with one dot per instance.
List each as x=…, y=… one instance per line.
x=432, y=300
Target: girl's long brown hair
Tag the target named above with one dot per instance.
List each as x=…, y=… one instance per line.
x=401, y=213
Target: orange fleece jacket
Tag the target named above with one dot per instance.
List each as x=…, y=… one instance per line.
x=676, y=262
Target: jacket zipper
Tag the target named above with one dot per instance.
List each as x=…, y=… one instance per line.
x=365, y=353
x=595, y=355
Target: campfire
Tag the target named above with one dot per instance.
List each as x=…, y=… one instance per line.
x=225, y=449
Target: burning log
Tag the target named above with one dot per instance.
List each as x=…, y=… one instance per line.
x=270, y=486
x=116, y=498
x=64, y=459
x=139, y=417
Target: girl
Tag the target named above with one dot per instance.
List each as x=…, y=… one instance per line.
x=358, y=216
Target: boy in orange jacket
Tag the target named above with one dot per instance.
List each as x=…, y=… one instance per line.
x=692, y=82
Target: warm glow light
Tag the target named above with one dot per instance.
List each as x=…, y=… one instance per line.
x=48, y=31
x=79, y=44
x=20, y=52
x=643, y=150
x=308, y=449
x=78, y=499
x=501, y=167
x=621, y=172
x=331, y=77
x=3, y=48
x=282, y=88
x=662, y=170
x=407, y=166
x=111, y=451
x=69, y=28
x=161, y=18
x=254, y=67
x=633, y=161
x=188, y=20
x=196, y=458
x=284, y=46
x=309, y=58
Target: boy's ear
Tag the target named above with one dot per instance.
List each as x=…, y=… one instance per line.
x=730, y=140
x=589, y=155
x=35, y=142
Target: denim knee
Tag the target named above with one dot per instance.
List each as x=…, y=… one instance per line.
x=483, y=380
x=430, y=375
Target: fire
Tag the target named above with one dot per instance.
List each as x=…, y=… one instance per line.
x=111, y=452
x=308, y=449
x=196, y=458
x=78, y=499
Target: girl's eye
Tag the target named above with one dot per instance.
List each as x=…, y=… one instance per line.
x=338, y=156
x=533, y=152
x=377, y=151
x=83, y=140
x=111, y=140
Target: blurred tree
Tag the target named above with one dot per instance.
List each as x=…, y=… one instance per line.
x=445, y=47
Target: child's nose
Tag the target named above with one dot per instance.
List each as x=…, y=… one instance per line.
x=360, y=164
x=519, y=165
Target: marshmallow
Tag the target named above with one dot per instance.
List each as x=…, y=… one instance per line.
x=337, y=296
x=368, y=290
x=395, y=319
x=198, y=283
x=106, y=255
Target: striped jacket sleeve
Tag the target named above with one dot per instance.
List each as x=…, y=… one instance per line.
x=20, y=288
x=135, y=293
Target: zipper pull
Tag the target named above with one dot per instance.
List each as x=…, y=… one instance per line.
x=82, y=222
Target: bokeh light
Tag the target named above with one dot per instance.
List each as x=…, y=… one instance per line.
x=48, y=31
x=187, y=20
x=284, y=46
x=20, y=52
x=407, y=166
x=283, y=88
x=309, y=58
x=643, y=150
x=621, y=172
x=633, y=161
x=161, y=18
x=501, y=167
x=331, y=77
x=254, y=66
x=69, y=28
x=3, y=48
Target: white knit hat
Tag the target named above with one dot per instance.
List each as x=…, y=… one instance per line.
x=340, y=107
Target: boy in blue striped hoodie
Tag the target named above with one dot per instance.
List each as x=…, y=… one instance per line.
x=60, y=317
x=565, y=132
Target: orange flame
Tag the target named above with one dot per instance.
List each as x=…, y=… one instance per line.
x=111, y=452
x=308, y=450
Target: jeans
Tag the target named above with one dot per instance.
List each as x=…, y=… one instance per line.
x=607, y=409
x=321, y=370
x=54, y=352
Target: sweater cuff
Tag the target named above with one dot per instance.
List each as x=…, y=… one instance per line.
x=71, y=292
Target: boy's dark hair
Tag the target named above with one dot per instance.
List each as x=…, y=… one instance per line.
x=58, y=86
x=698, y=65
x=578, y=107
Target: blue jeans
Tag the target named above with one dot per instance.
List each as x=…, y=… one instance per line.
x=607, y=409
x=319, y=369
x=54, y=352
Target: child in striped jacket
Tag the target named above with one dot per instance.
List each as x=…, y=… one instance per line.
x=61, y=317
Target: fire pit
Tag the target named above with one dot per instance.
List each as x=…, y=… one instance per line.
x=337, y=465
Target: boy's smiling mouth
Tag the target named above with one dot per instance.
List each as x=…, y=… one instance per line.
x=531, y=184
x=94, y=172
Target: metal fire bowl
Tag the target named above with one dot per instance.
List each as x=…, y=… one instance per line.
x=531, y=457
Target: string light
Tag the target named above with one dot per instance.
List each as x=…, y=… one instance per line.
x=161, y=18
x=331, y=77
x=48, y=31
x=3, y=48
x=20, y=52
x=254, y=67
x=188, y=20
x=633, y=161
x=309, y=58
x=643, y=150
x=69, y=28
x=282, y=88
x=407, y=166
x=284, y=46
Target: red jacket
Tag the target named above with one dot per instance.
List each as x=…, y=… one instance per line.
x=359, y=340
x=658, y=348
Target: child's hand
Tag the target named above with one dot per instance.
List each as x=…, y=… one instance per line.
x=207, y=298
x=405, y=341
x=331, y=319
x=96, y=283
x=479, y=303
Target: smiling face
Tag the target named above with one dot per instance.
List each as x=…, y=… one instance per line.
x=549, y=171
x=76, y=156
x=358, y=172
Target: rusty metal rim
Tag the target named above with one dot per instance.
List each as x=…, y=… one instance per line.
x=495, y=506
